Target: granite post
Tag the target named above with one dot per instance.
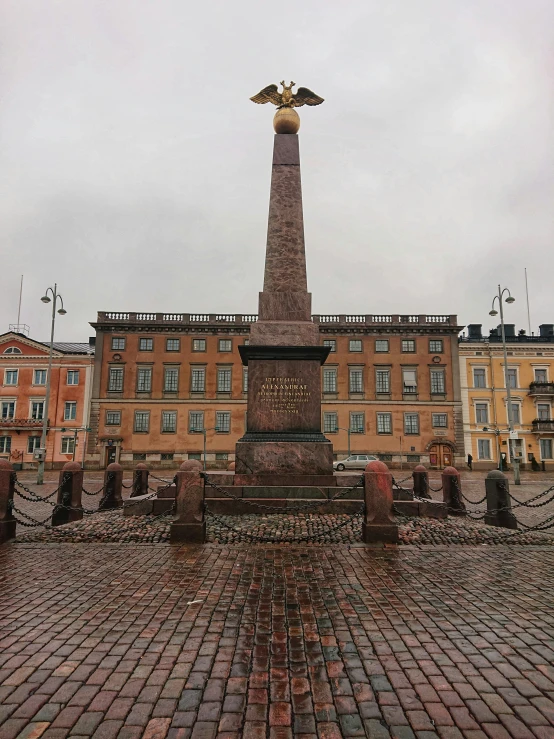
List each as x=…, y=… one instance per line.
x=499, y=504
x=452, y=492
x=113, y=484
x=69, y=506
x=140, y=480
x=7, y=489
x=283, y=429
x=421, y=482
x=379, y=524
x=190, y=525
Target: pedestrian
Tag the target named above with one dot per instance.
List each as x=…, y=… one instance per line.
x=470, y=461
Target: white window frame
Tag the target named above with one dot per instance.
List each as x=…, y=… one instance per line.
x=224, y=379
x=354, y=429
x=191, y=427
x=517, y=406
x=548, y=409
x=196, y=343
x=404, y=346
x=540, y=369
x=436, y=351
x=8, y=402
x=355, y=380
x=197, y=373
x=437, y=373
x=120, y=373
x=385, y=372
x=149, y=347
x=222, y=420
x=329, y=428
x=5, y=444
x=222, y=342
x=330, y=372
x=39, y=402
x=484, y=371
x=69, y=443
x=40, y=384
x=355, y=342
x=143, y=374
x=142, y=414
x=169, y=415
x=172, y=339
x=412, y=433
x=511, y=369
x=541, y=448
x=173, y=372
x=35, y=445
x=115, y=341
x=14, y=372
x=488, y=443
x=72, y=373
x=382, y=351
x=383, y=416
x=405, y=385
x=70, y=410
x=477, y=403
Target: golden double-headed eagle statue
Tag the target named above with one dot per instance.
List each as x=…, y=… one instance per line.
x=286, y=119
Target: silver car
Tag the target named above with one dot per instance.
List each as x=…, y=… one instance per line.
x=354, y=462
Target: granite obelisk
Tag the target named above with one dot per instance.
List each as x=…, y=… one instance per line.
x=283, y=429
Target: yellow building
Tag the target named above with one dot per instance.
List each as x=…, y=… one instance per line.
x=484, y=396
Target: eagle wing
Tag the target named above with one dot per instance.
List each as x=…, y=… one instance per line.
x=268, y=95
x=304, y=96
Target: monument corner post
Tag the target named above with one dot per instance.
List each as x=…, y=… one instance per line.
x=189, y=526
x=7, y=489
x=379, y=524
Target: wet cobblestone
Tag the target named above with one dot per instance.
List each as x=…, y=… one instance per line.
x=112, y=526
x=225, y=641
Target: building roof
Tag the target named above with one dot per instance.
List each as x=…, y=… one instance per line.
x=71, y=347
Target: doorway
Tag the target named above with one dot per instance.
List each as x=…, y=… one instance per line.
x=440, y=456
x=111, y=453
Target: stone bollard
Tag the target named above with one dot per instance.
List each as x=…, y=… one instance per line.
x=452, y=492
x=140, y=480
x=190, y=525
x=421, y=482
x=113, y=484
x=7, y=488
x=69, y=505
x=379, y=524
x=231, y=466
x=499, y=504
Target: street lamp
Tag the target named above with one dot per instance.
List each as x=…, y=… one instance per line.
x=349, y=431
x=62, y=311
x=496, y=431
x=203, y=431
x=494, y=312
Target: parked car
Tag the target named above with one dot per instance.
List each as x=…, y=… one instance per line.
x=354, y=462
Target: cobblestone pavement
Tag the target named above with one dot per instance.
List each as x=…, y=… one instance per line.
x=222, y=642
x=112, y=526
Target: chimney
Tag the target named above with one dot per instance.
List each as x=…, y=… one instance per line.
x=546, y=330
x=92, y=340
x=509, y=330
x=474, y=331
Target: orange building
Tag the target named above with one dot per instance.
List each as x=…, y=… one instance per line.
x=164, y=383
x=23, y=379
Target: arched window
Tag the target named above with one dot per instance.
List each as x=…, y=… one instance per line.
x=12, y=350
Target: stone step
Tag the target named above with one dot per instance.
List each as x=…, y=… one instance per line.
x=283, y=493
x=227, y=507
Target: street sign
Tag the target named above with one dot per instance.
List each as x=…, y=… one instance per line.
x=514, y=435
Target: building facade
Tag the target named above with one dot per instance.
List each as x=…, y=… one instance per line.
x=531, y=379
x=165, y=384
x=24, y=377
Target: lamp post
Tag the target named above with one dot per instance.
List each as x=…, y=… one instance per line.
x=46, y=299
x=203, y=431
x=496, y=431
x=348, y=431
x=494, y=312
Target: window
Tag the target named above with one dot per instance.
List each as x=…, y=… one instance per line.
x=516, y=413
x=540, y=375
x=543, y=411
x=37, y=410
x=33, y=442
x=329, y=380
x=224, y=380
x=113, y=418
x=331, y=343
x=8, y=409
x=408, y=345
x=5, y=443
x=409, y=381
x=356, y=381
x=39, y=377
x=481, y=413
x=223, y=422
x=146, y=345
x=355, y=345
x=512, y=377
x=382, y=345
x=435, y=346
x=142, y=421
x=68, y=444
x=411, y=423
x=171, y=379
x=144, y=379
x=196, y=421
x=118, y=343
x=10, y=377
x=221, y=456
x=172, y=345
x=166, y=456
x=139, y=456
x=115, y=380
x=382, y=381
x=357, y=423
x=545, y=446
x=384, y=423
x=225, y=345
x=440, y=420
x=479, y=378
x=484, y=448
x=195, y=455
x=437, y=382
x=169, y=422
x=330, y=423
x=70, y=411
x=245, y=379
x=72, y=377
x=199, y=345
x=413, y=458
x=198, y=380
x=13, y=350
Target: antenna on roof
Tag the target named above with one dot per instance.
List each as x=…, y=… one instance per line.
x=20, y=328
x=527, y=295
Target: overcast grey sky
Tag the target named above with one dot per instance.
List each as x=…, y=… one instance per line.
x=135, y=171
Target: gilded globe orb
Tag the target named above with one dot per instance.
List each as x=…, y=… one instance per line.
x=286, y=120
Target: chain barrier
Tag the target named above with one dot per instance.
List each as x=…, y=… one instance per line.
x=404, y=480
x=283, y=509
x=473, y=502
x=307, y=538
x=87, y=492
x=37, y=498
x=435, y=490
x=529, y=503
x=161, y=479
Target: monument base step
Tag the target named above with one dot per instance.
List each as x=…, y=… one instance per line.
x=283, y=492
x=227, y=507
